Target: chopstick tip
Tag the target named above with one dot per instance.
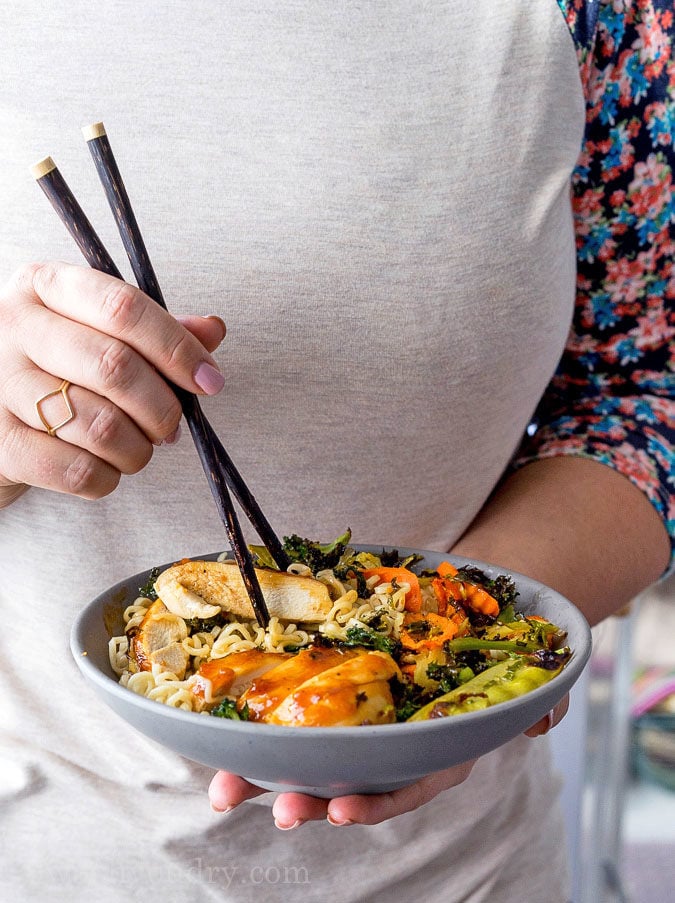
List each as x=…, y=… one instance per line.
x=38, y=170
x=96, y=130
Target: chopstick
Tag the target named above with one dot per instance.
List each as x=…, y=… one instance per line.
x=217, y=465
x=134, y=245
x=71, y=214
x=55, y=187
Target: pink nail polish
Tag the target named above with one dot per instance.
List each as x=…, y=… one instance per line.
x=220, y=321
x=173, y=438
x=209, y=380
x=222, y=811
x=283, y=827
x=339, y=823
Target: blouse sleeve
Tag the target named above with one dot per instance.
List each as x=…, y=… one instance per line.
x=612, y=397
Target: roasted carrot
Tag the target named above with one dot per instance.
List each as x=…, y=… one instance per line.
x=413, y=597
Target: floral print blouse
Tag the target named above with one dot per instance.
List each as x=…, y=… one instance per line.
x=613, y=396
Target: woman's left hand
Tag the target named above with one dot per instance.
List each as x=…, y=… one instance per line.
x=290, y=810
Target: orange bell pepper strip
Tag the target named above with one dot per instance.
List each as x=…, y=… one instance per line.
x=443, y=586
x=480, y=600
x=445, y=569
x=426, y=631
x=467, y=594
x=413, y=597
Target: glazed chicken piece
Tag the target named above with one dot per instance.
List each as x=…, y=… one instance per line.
x=269, y=691
x=231, y=676
x=321, y=687
x=202, y=589
x=353, y=692
x=158, y=640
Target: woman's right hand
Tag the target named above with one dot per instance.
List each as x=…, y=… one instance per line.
x=116, y=347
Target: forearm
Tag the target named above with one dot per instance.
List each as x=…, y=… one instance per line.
x=576, y=525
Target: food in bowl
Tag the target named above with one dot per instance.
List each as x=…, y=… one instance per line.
x=355, y=638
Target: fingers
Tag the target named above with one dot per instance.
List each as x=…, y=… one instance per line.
x=121, y=312
x=209, y=330
x=228, y=790
x=108, y=337
x=98, y=426
x=371, y=810
x=107, y=367
x=115, y=349
x=555, y=716
x=290, y=810
x=36, y=459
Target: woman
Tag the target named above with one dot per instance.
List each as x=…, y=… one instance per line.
x=376, y=199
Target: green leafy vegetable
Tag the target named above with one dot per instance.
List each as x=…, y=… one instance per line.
x=371, y=639
x=148, y=588
x=390, y=558
x=204, y=625
x=449, y=676
x=228, y=709
x=317, y=556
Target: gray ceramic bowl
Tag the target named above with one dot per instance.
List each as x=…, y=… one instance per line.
x=331, y=761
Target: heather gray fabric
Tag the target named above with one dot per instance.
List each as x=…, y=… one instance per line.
x=375, y=198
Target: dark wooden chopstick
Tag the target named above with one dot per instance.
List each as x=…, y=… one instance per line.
x=55, y=187
x=71, y=214
x=211, y=453
x=132, y=239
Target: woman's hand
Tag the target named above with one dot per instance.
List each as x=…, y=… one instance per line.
x=290, y=810
x=116, y=348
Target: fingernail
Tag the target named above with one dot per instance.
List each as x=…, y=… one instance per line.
x=221, y=811
x=218, y=320
x=339, y=823
x=173, y=438
x=283, y=827
x=209, y=380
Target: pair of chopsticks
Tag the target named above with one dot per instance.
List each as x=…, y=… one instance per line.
x=218, y=466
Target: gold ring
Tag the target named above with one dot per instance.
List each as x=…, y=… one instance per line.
x=63, y=392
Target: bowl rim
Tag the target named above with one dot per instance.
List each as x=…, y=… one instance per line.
x=109, y=685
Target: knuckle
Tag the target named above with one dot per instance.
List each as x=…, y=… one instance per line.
x=37, y=278
x=104, y=428
x=179, y=350
x=12, y=451
x=79, y=477
x=106, y=431
x=117, y=366
x=17, y=290
x=85, y=477
x=168, y=420
x=122, y=305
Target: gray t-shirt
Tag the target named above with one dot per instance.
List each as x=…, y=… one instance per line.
x=375, y=197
